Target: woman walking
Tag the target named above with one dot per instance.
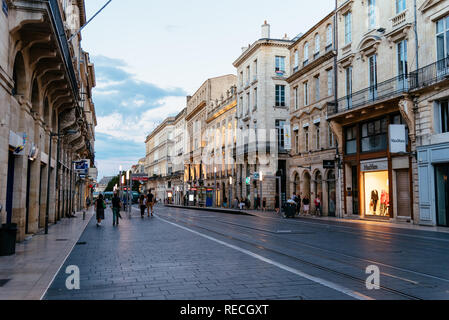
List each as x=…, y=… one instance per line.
x=142, y=205
x=100, y=205
x=306, y=204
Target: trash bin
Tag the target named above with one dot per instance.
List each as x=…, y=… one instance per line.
x=290, y=210
x=8, y=233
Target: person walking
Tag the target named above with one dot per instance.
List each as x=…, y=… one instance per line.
x=142, y=205
x=116, y=207
x=277, y=203
x=318, y=206
x=150, y=203
x=298, y=203
x=306, y=204
x=100, y=206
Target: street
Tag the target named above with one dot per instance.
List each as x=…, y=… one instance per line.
x=197, y=255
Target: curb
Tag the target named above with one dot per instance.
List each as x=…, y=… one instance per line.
x=227, y=211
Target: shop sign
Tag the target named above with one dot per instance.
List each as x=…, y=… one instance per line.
x=256, y=176
x=379, y=165
x=82, y=167
x=398, y=143
x=329, y=164
x=18, y=142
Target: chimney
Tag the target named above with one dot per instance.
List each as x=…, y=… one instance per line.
x=286, y=37
x=266, y=30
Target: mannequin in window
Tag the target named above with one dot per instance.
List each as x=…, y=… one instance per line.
x=374, y=199
x=384, y=201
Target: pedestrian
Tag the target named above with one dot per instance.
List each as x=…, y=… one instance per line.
x=241, y=204
x=100, y=206
x=306, y=204
x=318, y=205
x=277, y=204
x=116, y=207
x=142, y=205
x=88, y=203
x=225, y=202
x=298, y=203
x=264, y=204
x=150, y=203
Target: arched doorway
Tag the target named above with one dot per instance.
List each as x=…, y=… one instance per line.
x=331, y=193
x=306, y=185
x=318, y=186
x=296, y=184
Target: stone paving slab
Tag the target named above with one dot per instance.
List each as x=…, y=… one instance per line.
x=36, y=262
x=152, y=260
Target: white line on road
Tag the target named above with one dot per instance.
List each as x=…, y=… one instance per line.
x=331, y=285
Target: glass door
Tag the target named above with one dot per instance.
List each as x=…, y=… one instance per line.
x=442, y=194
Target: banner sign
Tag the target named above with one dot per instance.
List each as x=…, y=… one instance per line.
x=287, y=137
x=398, y=143
x=82, y=167
x=140, y=177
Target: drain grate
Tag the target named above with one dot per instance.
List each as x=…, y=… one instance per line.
x=3, y=282
x=62, y=240
x=81, y=243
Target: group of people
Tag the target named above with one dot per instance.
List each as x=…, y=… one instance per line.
x=304, y=203
x=146, y=202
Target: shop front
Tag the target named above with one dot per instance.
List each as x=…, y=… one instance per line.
x=375, y=186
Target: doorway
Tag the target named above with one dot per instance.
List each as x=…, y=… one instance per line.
x=10, y=187
x=442, y=194
x=403, y=193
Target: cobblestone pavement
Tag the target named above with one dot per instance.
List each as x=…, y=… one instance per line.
x=192, y=255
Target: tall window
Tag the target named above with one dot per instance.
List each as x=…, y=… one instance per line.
x=317, y=44
x=374, y=135
x=248, y=102
x=402, y=64
x=296, y=142
x=248, y=74
x=442, y=41
x=255, y=98
x=400, y=6
x=317, y=88
x=255, y=70
x=373, y=76
x=241, y=106
x=442, y=117
x=348, y=82
x=306, y=139
x=351, y=140
x=280, y=132
x=330, y=82
x=280, y=64
x=348, y=28
x=296, y=60
x=331, y=137
x=306, y=93
x=318, y=137
x=280, y=96
x=241, y=78
x=329, y=37
x=306, y=53
x=372, y=13
x=296, y=93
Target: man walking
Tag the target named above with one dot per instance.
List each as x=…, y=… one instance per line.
x=116, y=206
x=150, y=203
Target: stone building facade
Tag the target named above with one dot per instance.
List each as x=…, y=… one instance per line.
x=178, y=157
x=263, y=112
x=312, y=92
x=45, y=89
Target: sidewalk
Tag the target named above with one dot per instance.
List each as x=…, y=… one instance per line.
x=27, y=274
x=273, y=215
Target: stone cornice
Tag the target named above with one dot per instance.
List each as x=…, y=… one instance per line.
x=259, y=43
x=315, y=27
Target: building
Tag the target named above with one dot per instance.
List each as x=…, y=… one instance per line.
x=196, y=116
x=371, y=119
x=428, y=109
x=45, y=90
x=178, y=157
x=160, y=166
x=312, y=170
x=263, y=97
x=221, y=124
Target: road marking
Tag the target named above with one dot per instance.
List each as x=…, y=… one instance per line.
x=331, y=285
x=403, y=279
x=284, y=231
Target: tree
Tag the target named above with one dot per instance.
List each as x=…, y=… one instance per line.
x=112, y=183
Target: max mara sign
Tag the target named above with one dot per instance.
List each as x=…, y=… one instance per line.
x=398, y=138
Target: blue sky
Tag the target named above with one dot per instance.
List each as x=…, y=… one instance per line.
x=149, y=55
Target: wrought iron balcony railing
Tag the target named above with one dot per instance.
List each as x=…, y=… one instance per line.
x=430, y=74
x=383, y=90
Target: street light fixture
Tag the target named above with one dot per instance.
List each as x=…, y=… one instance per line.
x=47, y=209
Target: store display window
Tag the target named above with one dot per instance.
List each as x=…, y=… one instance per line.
x=376, y=193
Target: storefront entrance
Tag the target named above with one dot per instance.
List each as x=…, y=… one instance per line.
x=442, y=193
x=375, y=196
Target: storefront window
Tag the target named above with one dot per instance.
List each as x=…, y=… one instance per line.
x=374, y=135
x=376, y=193
x=351, y=140
x=442, y=192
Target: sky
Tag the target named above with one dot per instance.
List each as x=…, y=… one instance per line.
x=149, y=55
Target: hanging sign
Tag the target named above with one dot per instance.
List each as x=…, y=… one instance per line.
x=397, y=135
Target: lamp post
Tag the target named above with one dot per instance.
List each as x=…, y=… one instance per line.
x=230, y=192
x=215, y=187
x=261, y=192
x=47, y=209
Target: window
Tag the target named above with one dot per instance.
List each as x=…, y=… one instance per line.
x=348, y=73
x=374, y=135
x=255, y=70
x=348, y=28
x=296, y=91
x=280, y=96
x=241, y=78
x=297, y=142
x=248, y=102
x=280, y=132
x=329, y=37
x=331, y=137
x=306, y=93
x=402, y=65
x=317, y=88
x=372, y=13
x=442, y=45
x=296, y=61
x=280, y=64
x=241, y=106
x=248, y=74
x=351, y=140
x=318, y=137
x=255, y=98
x=330, y=82
x=373, y=76
x=400, y=6
x=317, y=44
x=306, y=139
x=442, y=117
x=306, y=53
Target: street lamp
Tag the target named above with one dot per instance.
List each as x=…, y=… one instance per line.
x=230, y=192
x=215, y=186
x=261, y=192
x=47, y=209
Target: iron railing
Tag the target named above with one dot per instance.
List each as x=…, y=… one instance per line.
x=383, y=90
x=430, y=74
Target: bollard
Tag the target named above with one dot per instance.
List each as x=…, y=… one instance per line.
x=84, y=215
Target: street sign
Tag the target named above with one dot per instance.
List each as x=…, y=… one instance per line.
x=248, y=180
x=329, y=164
x=82, y=167
x=256, y=176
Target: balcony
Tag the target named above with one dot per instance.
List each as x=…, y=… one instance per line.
x=385, y=90
x=430, y=74
x=399, y=19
